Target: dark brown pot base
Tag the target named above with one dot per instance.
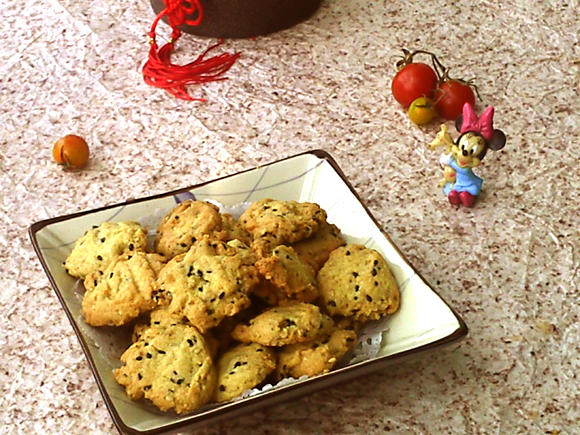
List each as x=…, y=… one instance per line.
x=247, y=18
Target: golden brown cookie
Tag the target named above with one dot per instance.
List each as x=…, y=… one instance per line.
x=316, y=249
x=270, y=294
x=184, y=225
x=356, y=281
x=206, y=288
x=241, y=368
x=280, y=222
x=280, y=326
x=290, y=274
x=314, y=357
x=171, y=366
x=95, y=250
x=233, y=230
x=124, y=291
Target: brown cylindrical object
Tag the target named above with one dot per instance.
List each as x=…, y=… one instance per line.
x=246, y=18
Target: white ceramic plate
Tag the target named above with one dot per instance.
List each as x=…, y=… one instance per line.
x=424, y=320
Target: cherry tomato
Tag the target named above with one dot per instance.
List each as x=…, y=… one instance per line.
x=421, y=111
x=71, y=151
x=412, y=81
x=450, y=98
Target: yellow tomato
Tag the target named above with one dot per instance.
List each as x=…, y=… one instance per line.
x=421, y=111
x=71, y=151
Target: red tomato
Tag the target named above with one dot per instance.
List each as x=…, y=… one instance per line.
x=450, y=98
x=412, y=81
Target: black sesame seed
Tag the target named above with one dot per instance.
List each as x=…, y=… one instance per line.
x=286, y=323
x=375, y=263
x=199, y=273
x=200, y=289
x=156, y=322
x=347, y=252
x=260, y=350
x=369, y=298
x=222, y=388
x=221, y=295
x=376, y=283
x=139, y=358
x=189, y=342
x=95, y=282
x=193, y=240
x=183, y=245
x=180, y=381
x=99, y=258
x=374, y=272
x=139, y=376
x=237, y=364
x=147, y=387
x=176, y=218
x=149, y=356
x=103, y=240
x=131, y=246
x=161, y=351
x=355, y=274
x=111, y=275
x=356, y=298
x=356, y=288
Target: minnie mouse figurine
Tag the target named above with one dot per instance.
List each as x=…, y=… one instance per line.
x=460, y=184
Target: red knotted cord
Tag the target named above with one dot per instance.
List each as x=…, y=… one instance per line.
x=160, y=72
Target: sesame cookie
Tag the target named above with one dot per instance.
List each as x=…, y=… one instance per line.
x=95, y=250
x=290, y=274
x=281, y=222
x=314, y=357
x=184, y=225
x=356, y=281
x=171, y=366
x=241, y=368
x=207, y=288
x=233, y=230
x=270, y=294
x=316, y=249
x=123, y=291
x=284, y=325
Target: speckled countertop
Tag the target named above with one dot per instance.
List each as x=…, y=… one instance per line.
x=510, y=266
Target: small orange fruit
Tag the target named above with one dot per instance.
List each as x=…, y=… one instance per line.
x=421, y=111
x=71, y=151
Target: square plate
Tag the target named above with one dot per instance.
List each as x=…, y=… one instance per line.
x=423, y=321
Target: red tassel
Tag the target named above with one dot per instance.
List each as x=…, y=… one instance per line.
x=160, y=72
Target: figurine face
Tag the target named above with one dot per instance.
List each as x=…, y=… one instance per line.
x=470, y=149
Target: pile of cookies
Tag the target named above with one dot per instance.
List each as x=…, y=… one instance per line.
x=224, y=305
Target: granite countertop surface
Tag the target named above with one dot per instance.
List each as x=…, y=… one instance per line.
x=509, y=265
